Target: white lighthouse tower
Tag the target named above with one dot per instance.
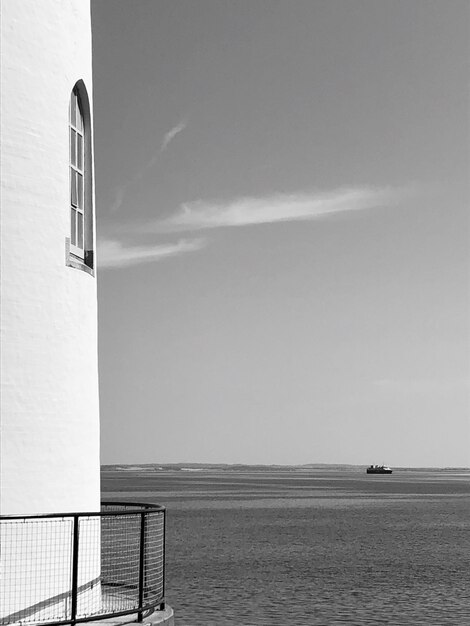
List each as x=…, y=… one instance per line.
x=49, y=410
x=49, y=367
x=59, y=553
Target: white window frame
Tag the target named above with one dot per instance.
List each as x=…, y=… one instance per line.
x=77, y=147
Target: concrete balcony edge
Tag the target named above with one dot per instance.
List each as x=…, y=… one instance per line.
x=160, y=617
x=157, y=618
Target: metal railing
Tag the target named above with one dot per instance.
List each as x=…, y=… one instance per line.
x=79, y=567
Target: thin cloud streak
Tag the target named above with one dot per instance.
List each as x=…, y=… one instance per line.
x=171, y=134
x=247, y=211
x=113, y=253
x=394, y=386
x=118, y=198
x=122, y=190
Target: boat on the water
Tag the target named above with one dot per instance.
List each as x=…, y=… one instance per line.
x=378, y=469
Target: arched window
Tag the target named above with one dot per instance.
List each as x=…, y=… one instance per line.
x=81, y=170
x=77, y=172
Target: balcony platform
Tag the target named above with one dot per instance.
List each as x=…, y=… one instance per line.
x=106, y=567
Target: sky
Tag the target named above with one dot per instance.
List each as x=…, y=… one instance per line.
x=283, y=231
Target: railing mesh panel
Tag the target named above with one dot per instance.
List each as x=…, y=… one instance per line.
x=35, y=570
x=120, y=561
x=88, y=578
x=154, y=561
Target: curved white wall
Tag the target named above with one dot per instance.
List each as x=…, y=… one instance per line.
x=49, y=372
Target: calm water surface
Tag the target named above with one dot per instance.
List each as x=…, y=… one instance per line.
x=323, y=547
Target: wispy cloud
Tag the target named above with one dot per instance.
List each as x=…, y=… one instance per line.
x=427, y=386
x=121, y=191
x=113, y=253
x=118, y=198
x=246, y=211
x=171, y=134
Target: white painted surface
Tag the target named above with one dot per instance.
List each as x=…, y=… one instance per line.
x=49, y=372
x=49, y=405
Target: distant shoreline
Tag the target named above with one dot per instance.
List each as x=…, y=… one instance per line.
x=163, y=467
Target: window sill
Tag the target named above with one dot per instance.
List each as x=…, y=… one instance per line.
x=76, y=262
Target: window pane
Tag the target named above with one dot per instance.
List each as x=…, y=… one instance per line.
x=79, y=122
x=73, y=147
x=80, y=190
x=73, y=187
x=73, y=108
x=80, y=230
x=73, y=227
x=79, y=152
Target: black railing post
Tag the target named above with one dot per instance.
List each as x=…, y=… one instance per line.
x=162, y=604
x=141, y=566
x=75, y=549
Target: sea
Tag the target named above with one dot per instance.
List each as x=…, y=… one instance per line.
x=269, y=546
